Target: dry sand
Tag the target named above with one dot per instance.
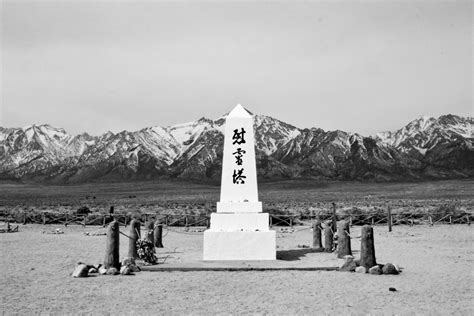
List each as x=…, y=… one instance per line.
x=437, y=278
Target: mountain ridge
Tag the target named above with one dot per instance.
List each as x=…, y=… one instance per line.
x=425, y=148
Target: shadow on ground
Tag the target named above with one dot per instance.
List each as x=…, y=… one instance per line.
x=295, y=254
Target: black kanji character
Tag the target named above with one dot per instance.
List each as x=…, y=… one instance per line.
x=238, y=156
x=238, y=137
x=237, y=177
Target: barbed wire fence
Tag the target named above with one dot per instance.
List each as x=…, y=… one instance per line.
x=387, y=216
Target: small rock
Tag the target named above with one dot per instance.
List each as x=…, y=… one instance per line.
x=112, y=271
x=375, y=270
x=125, y=270
x=102, y=270
x=361, y=270
x=81, y=271
x=128, y=261
x=93, y=270
x=392, y=289
x=389, y=268
x=348, y=264
x=134, y=268
x=398, y=268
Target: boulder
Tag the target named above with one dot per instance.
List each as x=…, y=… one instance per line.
x=348, y=264
x=375, y=270
x=389, y=268
x=134, y=268
x=112, y=271
x=125, y=270
x=102, y=270
x=361, y=270
x=81, y=271
x=128, y=262
x=398, y=268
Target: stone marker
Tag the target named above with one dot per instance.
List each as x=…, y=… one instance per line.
x=343, y=239
x=367, y=250
x=328, y=236
x=239, y=230
x=133, y=237
x=158, y=235
x=317, y=243
x=112, y=247
x=361, y=270
x=81, y=271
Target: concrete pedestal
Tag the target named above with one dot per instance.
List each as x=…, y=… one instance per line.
x=239, y=245
x=239, y=222
x=239, y=236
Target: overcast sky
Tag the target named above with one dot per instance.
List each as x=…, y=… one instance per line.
x=356, y=66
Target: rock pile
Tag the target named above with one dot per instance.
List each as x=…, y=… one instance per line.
x=348, y=264
x=127, y=267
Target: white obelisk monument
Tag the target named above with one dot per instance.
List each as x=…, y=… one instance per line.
x=239, y=230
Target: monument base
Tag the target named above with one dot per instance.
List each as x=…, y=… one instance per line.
x=239, y=221
x=239, y=245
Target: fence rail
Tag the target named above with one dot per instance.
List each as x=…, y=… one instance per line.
x=388, y=218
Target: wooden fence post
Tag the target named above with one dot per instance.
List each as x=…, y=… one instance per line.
x=431, y=220
x=133, y=237
x=328, y=236
x=334, y=217
x=158, y=235
x=468, y=220
x=112, y=259
x=44, y=218
x=389, y=217
x=317, y=243
x=343, y=239
x=24, y=218
x=367, y=249
x=291, y=221
x=186, y=221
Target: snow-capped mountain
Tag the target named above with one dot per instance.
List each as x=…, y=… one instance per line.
x=425, y=133
x=425, y=148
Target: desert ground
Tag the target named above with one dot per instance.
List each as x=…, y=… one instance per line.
x=287, y=196
x=437, y=261
x=437, y=276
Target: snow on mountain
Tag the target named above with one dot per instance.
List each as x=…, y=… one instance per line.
x=271, y=133
x=425, y=133
x=193, y=150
